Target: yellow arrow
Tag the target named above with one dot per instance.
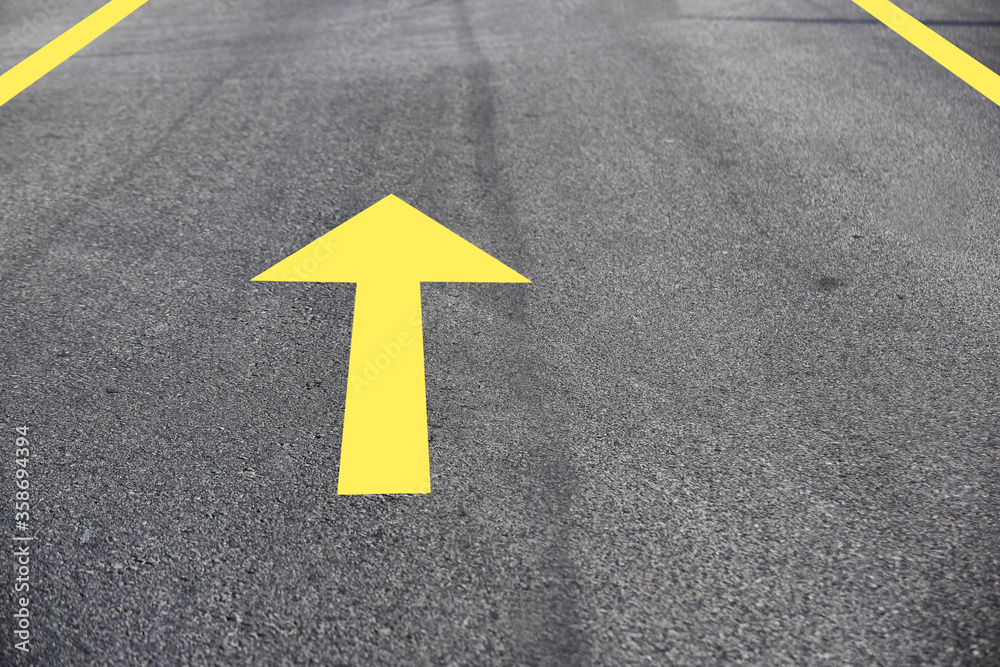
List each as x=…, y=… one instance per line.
x=388, y=250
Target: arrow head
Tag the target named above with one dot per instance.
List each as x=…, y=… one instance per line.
x=391, y=241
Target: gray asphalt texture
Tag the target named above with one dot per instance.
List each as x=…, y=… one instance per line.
x=746, y=414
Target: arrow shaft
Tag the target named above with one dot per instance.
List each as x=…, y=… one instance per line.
x=384, y=447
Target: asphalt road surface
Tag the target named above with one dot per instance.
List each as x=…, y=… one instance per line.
x=747, y=413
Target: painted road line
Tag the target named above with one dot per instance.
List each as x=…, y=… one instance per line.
x=388, y=250
x=50, y=56
x=952, y=58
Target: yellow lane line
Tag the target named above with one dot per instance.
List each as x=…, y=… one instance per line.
x=47, y=58
x=952, y=58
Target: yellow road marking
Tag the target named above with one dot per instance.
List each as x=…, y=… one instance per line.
x=47, y=58
x=952, y=58
x=388, y=250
